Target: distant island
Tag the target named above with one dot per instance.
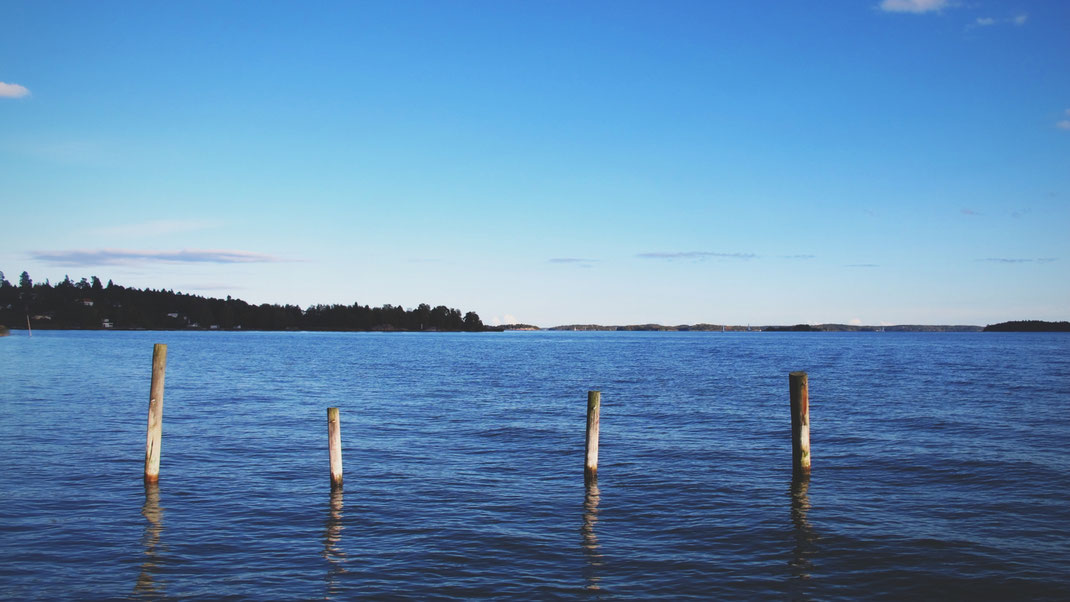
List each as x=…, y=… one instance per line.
x=504, y=327
x=91, y=305
x=771, y=328
x=1029, y=326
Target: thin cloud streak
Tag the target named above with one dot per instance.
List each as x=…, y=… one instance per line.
x=862, y=265
x=1018, y=259
x=570, y=260
x=128, y=257
x=695, y=255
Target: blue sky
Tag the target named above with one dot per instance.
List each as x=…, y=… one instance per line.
x=904, y=161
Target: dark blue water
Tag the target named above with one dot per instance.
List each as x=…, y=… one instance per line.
x=941, y=466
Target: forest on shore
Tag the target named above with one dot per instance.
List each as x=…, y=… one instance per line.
x=1029, y=326
x=89, y=304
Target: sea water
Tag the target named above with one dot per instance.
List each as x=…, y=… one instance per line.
x=941, y=466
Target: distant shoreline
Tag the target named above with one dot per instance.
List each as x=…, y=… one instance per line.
x=629, y=328
x=771, y=328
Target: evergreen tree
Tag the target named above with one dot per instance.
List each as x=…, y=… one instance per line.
x=472, y=323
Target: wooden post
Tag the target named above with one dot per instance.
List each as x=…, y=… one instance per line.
x=152, y=440
x=28, y=329
x=799, y=385
x=334, y=443
x=594, y=403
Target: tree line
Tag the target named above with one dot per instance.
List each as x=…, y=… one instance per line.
x=1029, y=326
x=90, y=304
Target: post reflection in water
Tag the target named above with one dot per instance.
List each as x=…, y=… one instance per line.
x=805, y=536
x=590, y=539
x=147, y=582
x=331, y=543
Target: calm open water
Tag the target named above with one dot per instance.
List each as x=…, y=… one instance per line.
x=941, y=466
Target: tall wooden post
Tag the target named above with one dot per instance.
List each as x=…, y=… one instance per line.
x=799, y=385
x=152, y=439
x=334, y=443
x=594, y=403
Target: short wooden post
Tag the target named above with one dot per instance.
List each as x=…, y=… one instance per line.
x=800, y=423
x=594, y=403
x=334, y=439
x=152, y=439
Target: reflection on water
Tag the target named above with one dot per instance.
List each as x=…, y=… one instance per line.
x=332, y=538
x=147, y=583
x=590, y=539
x=805, y=536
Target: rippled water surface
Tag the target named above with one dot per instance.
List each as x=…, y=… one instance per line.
x=941, y=466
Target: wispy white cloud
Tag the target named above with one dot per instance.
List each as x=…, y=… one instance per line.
x=503, y=320
x=913, y=6
x=695, y=255
x=968, y=211
x=1017, y=20
x=158, y=227
x=1065, y=123
x=128, y=256
x=13, y=90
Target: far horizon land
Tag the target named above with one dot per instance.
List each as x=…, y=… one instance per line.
x=89, y=304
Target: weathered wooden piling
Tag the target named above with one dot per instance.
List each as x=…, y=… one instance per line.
x=334, y=443
x=155, y=428
x=594, y=403
x=799, y=385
